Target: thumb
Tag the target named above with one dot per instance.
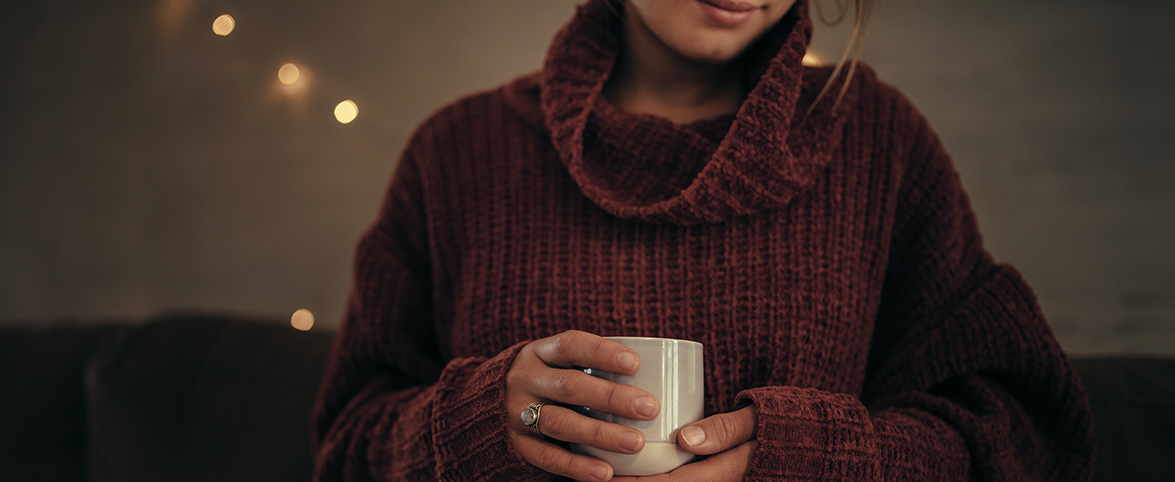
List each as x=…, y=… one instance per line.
x=720, y=432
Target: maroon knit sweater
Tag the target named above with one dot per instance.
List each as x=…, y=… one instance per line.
x=831, y=266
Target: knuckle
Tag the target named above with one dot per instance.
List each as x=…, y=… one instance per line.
x=526, y=356
x=558, y=342
x=598, y=345
x=528, y=353
x=725, y=427
x=567, y=383
x=567, y=339
x=601, y=437
x=548, y=458
x=569, y=466
x=553, y=423
x=594, y=342
x=514, y=377
x=616, y=397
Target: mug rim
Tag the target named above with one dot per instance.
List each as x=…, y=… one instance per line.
x=649, y=338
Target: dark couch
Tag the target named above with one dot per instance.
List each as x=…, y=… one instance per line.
x=214, y=398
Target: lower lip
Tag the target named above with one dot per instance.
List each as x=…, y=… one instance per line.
x=726, y=18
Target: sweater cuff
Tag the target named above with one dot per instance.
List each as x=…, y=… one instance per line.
x=807, y=434
x=471, y=434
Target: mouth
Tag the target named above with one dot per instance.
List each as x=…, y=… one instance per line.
x=728, y=13
x=735, y=6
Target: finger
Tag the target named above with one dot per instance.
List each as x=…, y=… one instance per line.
x=558, y=461
x=580, y=349
x=573, y=387
x=720, y=432
x=564, y=424
x=728, y=466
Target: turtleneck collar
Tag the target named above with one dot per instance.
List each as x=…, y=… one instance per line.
x=643, y=167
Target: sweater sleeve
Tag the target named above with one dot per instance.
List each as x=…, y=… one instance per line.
x=965, y=380
x=390, y=407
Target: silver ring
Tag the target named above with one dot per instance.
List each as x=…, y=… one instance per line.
x=530, y=416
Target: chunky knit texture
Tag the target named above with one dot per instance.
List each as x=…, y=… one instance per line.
x=831, y=265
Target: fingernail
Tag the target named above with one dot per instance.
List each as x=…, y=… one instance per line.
x=646, y=406
x=630, y=441
x=693, y=436
x=627, y=360
x=600, y=472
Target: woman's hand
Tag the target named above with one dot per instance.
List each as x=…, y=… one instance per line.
x=546, y=371
x=731, y=436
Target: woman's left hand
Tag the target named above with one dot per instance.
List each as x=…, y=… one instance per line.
x=729, y=439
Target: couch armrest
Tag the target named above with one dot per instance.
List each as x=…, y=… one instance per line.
x=205, y=398
x=1133, y=401
x=42, y=410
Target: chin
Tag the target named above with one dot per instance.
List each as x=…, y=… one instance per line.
x=716, y=49
x=690, y=32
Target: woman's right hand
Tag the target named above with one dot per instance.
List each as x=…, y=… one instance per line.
x=547, y=370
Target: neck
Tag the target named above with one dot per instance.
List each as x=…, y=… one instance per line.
x=651, y=78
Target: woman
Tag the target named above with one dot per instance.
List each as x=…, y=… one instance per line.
x=674, y=171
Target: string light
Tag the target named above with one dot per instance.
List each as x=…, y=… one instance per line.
x=288, y=74
x=223, y=25
x=302, y=320
x=291, y=77
x=346, y=111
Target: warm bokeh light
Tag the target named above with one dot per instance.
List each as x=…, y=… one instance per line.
x=288, y=74
x=302, y=320
x=346, y=111
x=811, y=60
x=224, y=25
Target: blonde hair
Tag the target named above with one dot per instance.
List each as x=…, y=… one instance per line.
x=852, y=45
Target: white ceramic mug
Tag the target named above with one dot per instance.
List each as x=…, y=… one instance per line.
x=672, y=371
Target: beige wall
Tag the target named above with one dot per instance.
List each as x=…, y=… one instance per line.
x=149, y=165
